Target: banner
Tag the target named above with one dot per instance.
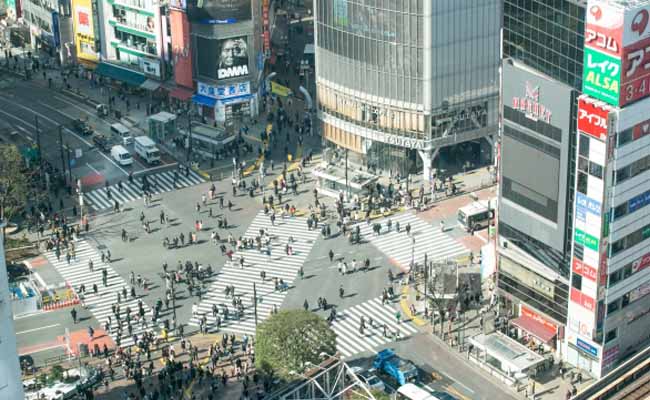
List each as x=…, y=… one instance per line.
x=219, y=11
x=181, y=49
x=83, y=30
x=233, y=58
x=280, y=90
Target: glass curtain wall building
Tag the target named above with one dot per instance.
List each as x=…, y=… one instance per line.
x=399, y=79
x=542, y=79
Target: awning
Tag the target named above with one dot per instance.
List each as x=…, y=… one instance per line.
x=150, y=85
x=204, y=100
x=181, y=93
x=118, y=73
x=535, y=328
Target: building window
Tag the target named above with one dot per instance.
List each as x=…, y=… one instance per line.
x=583, y=164
x=624, y=137
x=615, y=277
x=582, y=183
x=611, y=335
x=612, y=307
x=620, y=211
x=576, y=281
x=595, y=170
x=584, y=146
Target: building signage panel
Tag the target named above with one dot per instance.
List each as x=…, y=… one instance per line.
x=641, y=129
x=583, y=345
x=56, y=30
x=181, y=44
x=590, y=205
x=604, y=27
x=219, y=11
x=601, y=77
x=586, y=240
x=639, y=201
x=583, y=300
x=592, y=118
x=640, y=292
x=610, y=354
x=224, y=91
x=641, y=263
x=233, y=58
x=266, y=27
x=530, y=104
x=535, y=316
x=84, y=31
x=584, y=270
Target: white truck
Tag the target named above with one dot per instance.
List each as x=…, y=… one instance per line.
x=147, y=150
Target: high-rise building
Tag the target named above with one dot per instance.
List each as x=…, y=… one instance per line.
x=610, y=282
x=11, y=383
x=403, y=82
x=541, y=77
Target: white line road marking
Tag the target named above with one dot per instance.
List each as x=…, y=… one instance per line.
x=91, y=167
x=66, y=129
x=456, y=382
x=37, y=329
x=56, y=346
x=154, y=168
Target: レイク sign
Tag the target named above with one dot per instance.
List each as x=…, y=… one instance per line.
x=530, y=105
x=592, y=118
x=601, y=77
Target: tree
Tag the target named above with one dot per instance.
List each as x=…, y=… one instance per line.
x=15, y=183
x=290, y=341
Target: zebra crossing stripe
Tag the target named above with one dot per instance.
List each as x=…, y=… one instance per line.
x=100, y=305
x=160, y=182
x=278, y=265
x=349, y=339
x=399, y=247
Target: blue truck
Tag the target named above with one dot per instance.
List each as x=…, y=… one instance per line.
x=395, y=367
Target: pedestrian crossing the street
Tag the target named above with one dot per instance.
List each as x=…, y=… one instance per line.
x=402, y=248
x=377, y=333
x=161, y=182
x=77, y=272
x=278, y=265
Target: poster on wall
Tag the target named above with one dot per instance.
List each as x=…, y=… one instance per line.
x=83, y=30
x=232, y=60
x=219, y=11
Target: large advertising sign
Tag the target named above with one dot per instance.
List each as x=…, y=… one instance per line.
x=219, y=11
x=232, y=61
x=620, y=38
x=266, y=27
x=83, y=30
x=181, y=49
x=592, y=117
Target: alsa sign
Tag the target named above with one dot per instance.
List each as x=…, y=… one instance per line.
x=592, y=118
x=530, y=105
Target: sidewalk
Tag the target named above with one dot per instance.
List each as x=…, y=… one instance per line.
x=548, y=384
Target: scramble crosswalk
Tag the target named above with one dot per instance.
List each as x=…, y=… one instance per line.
x=349, y=339
x=277, y=265
x=99, y=305
x=159, y=183
x=400, y=248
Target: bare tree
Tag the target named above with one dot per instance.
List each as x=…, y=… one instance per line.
x=17, y=186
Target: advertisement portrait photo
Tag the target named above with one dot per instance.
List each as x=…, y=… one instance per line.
x=218, y=11
x=232, y=58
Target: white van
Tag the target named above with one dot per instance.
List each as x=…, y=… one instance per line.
x=121, y=155
x=123, y=132
x=146, y=148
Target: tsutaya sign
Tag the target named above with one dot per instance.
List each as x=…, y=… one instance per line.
x=529, y=104
x=401, y=141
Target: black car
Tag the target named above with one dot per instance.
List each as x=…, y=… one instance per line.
x=17, y=271
x=102, y=143
x=81, y=126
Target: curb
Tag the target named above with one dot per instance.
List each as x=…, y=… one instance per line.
x=404, y=304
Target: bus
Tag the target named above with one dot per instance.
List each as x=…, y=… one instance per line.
x=477, y=215
x=410, y=391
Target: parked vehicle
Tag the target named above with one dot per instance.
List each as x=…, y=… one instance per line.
x=81, y=126
x=370, y=378
x=102, y=110
x=476, y=215
x=395, y=367
x=146, y=148
x=120, y=154
x=102, y=143
x=123, y=133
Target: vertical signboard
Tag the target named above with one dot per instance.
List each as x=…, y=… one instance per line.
x=617, y=52
x=83, y=30
x=266, y=27
x=181, y=53
x=592, y=117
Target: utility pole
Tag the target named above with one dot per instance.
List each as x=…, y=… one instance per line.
x=255, y=302
x=61, y=148
x=67, y=146
x=189, y=135
x=347, y=186
x=426, y=283
x=38, y=144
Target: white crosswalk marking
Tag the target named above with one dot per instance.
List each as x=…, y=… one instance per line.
x=99, y=305
x=399, y=247
x=350, y=341
x=279, y=265
x=159, y=183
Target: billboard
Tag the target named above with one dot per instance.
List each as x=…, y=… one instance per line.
x=181, y=48
x=620, y=38
x=232, y=61
x=592, y=117
x=219, y=11
x=84, y=33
